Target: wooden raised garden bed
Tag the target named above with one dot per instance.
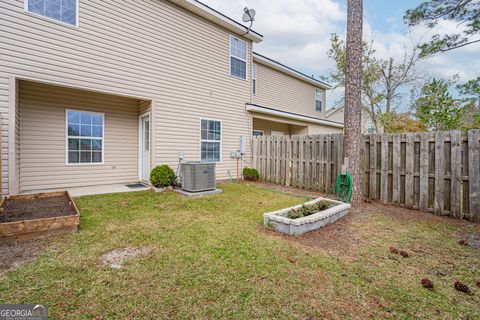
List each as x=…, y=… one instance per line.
x=40, y=215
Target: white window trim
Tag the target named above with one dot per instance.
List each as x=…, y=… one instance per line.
x=201, y=140
x=67, y=136
x=263, y=132
x=230, y=58
x=254, y=79
x=315, y=100
x=76, y=25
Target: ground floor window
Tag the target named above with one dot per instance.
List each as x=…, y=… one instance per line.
x=211, y=140
x=258, y=133
x=85, y=132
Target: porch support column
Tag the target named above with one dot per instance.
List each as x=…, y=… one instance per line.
x=12, y=174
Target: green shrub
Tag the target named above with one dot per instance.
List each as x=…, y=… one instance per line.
x=250, y=174
x=162, y=176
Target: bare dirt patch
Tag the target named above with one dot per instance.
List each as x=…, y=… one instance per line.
x=36, y=208
x=117, y=257
x=347, y=235
x=14, y=255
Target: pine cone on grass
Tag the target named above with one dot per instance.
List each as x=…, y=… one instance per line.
x=462, y=287
x=463, y=242
x=393, y=250
x=404, y=254
x=426, y=283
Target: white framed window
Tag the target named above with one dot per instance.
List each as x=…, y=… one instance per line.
x=238, y=58
x=318, y=100
x=254, y=79
x=85, y=134
x=258, y=133
x=210, y=140
x=64, y=11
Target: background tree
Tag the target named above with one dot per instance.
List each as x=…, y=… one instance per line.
x=353, y=95
x=471, y=90
x=402, y=122
x=437, y=108
x=462, y=12
x=384, y=81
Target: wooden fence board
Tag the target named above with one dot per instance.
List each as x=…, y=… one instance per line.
x=409, y=168
x=439, y=172
x=474, y=174
x=455, y=175
x=423, y=205
x=373, y=166
x=396, y=169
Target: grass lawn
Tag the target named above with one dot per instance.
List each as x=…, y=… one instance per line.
x=212, y=259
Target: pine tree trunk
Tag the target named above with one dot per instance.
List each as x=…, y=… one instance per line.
x=353, y=99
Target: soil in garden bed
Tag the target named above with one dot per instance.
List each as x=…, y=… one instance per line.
x=37, y=208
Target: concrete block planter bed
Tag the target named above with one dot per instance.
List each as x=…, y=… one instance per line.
x=38, y=215
x=306, y=217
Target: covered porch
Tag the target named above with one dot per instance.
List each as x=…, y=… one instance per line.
x=69, y=139
x=268, y=121
x=269, y=127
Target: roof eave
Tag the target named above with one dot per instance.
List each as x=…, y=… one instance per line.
x=218, y=18
x=289, y=71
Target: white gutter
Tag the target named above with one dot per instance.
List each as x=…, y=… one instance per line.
x=293, y=116
x=282, y=68
x=218, y=18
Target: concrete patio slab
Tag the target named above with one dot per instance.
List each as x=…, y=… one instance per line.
x=93, y=190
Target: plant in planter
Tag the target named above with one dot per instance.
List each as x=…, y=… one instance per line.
x=162, y=177
x=307, y=210
x=250, y=174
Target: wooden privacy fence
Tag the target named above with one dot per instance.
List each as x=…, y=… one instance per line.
x=437, y=172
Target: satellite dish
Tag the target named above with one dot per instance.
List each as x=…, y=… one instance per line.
x=248, y=16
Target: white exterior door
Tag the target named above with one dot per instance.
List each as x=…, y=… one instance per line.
x=145, y=148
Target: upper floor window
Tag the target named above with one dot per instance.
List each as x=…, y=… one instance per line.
x=254, y=79
x=238, y=58
x=318, y=100
x=65, y=11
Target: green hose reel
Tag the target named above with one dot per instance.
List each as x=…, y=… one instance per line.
x=343, y=187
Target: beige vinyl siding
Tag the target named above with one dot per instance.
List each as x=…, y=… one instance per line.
x=337, y=115
x=280, y=91
x=43, y=138
x=150, y=50
x=319, y=129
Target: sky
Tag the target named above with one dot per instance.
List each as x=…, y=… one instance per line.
x=297, y=33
